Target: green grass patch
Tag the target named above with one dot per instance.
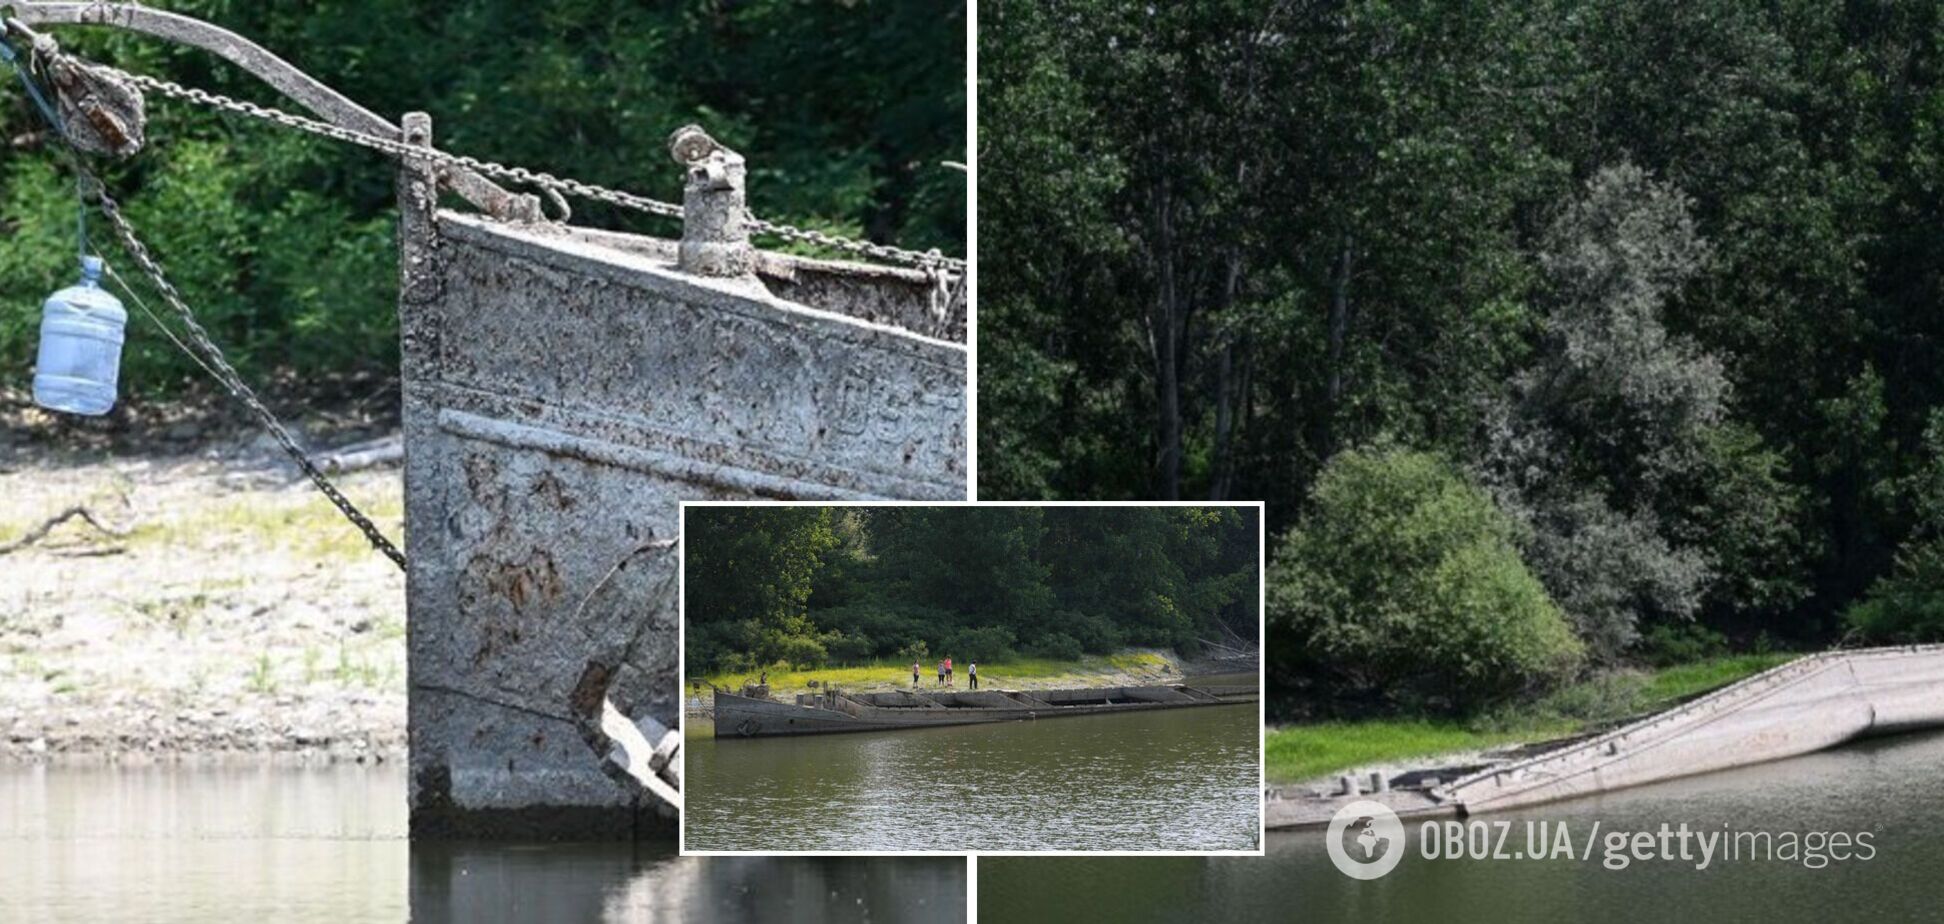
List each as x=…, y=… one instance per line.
x=306, y=525
x=1021, y=673
x=1304, y=752
x=1685, y=680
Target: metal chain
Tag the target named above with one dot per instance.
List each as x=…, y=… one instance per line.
x=932, y=259
x=226, y=373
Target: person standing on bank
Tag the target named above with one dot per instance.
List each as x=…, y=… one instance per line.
x=972, y=675
x=941, y=673
x=948, y=671
x=914, y=673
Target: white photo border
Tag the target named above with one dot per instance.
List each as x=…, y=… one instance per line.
x=681, y=644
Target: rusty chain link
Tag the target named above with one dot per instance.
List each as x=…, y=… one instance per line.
x=932, y=259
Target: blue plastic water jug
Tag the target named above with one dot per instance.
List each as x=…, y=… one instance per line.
x=80, y=346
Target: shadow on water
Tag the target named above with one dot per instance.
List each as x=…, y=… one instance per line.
x=647, y=883
x=286, y=843
x=1890, y=788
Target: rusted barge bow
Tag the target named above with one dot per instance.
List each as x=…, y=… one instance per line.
x=832, y=711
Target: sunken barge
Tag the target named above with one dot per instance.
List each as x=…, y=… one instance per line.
x=832, y=711
x=1812, y=703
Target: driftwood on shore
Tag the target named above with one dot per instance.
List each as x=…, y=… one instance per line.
x=359, y=456
x=47, y=526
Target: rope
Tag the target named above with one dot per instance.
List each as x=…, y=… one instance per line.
x=547, y=181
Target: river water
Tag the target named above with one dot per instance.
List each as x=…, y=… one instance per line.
x=327, y=844
x=1182, y=779
x=1892, y=788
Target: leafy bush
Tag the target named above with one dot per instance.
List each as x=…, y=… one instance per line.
x=1058, y=646
x=1405, y=581
x=990, y=643
x=1907, y=605
x=1666, y=645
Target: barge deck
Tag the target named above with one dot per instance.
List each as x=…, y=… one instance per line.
x=833, y=711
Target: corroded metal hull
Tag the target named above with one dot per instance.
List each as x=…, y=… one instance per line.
x=1807, y=705
x=749, y=717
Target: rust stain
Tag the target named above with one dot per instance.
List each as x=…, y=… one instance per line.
x=590, y=690
x=549, y=488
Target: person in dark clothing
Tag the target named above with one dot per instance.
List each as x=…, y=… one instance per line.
x=972, y=674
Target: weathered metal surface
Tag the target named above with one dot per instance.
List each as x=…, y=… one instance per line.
x=1806, y=705
x=1809, y=704
x=101, y=113
x=836, y=711
x=562, y=395
x=715, y=241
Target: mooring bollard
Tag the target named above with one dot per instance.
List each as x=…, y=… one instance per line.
x=715, y=239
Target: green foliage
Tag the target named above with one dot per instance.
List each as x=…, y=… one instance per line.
x=1642, y=501
x=1058, y=646
x=1304, y=752
x=812, y=586
x=1907, y=605
x=283, y=243
x=750, y=570
x=1668, y=645
x=1406, y=582
x=1225, y=240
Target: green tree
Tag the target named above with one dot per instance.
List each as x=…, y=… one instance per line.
x=1405, y=583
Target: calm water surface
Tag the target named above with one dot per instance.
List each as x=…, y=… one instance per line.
x=292, y=844
x=1893, y=788
x=1183, y=779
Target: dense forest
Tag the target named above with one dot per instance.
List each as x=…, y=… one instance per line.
x=810, y=586
x=1556, y=334
x=283, y=241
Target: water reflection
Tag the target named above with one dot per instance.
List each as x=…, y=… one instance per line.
x=1889, y=787
x=648, y=884
x=257, y=841
x=1177, y=779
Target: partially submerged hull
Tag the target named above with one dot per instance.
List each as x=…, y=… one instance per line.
x=1807, y=705
x=750, y=717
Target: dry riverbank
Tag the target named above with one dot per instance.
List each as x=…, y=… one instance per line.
x=225, y=608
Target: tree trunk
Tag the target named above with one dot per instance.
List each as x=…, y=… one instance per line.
x=1225, y=394
x=1163, y=330
x=1339, y=330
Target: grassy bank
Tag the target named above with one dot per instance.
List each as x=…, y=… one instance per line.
x=1303, y=752
x=1016, y=674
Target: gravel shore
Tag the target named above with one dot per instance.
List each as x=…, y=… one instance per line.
x=222, y=606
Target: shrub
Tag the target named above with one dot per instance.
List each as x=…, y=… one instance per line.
x=1404, y=580
x=1907, y=605
x=1666, y=645
x=1058, y=646
x=990, y=643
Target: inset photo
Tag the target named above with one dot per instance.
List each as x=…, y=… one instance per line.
x=987, y=678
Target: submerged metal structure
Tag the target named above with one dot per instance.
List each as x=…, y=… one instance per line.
x=833, y=711
x=1809, y=704
x=564, y=390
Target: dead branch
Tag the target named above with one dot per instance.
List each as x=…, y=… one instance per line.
x=47, y=526
x=364, y=455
